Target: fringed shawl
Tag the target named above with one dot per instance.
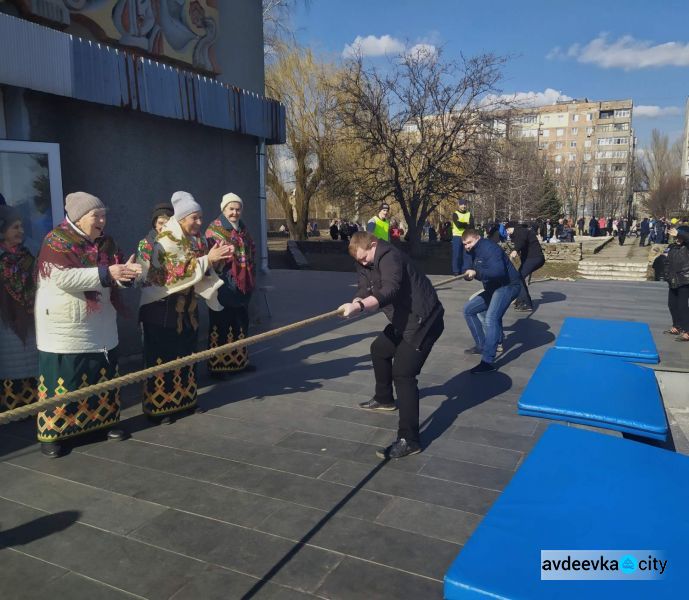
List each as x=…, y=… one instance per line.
x=241, y=266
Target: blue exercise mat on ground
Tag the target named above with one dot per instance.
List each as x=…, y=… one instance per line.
x=626, y=339
x=581, y=490
x=629, y=401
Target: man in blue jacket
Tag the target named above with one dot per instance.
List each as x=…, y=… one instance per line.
x=488, y=263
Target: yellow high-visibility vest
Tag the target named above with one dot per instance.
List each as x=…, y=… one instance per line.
x=382, y=230
x=462, y=217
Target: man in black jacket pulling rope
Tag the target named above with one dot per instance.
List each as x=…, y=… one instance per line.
x=388, y=280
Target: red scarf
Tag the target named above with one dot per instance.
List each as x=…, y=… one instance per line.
x=241, y=265
x=66, y=248
x=17, y=289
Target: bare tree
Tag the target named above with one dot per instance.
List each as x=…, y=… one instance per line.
x=660, y=174
x=418, y=124
x=575, y=180
x=608, y=196
x=296, y=170
x=277, y=30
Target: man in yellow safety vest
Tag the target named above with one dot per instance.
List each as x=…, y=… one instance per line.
x=462, y=220
x=380, y=225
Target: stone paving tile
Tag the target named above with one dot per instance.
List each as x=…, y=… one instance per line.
x=489, y=478
x=498, y=439
x=192, y=439
x=316, y=493
x=443, y=523
x=27, y=578
x=114, y=560
x=247, y=551
x=216, y=583
x=231, y=505
x=480, y=454
x=358, y=580
x=363, y=539
x=113, y=512
x=415, y=487
x=354, y=451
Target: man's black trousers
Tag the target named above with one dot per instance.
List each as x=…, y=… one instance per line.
x=678, y=303
x=527, y=267
x=397, y=361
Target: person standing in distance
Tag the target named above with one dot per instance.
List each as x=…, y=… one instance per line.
x=462, y=219
x=527, y=246
x=389, y=280
x=501, y=285
x=380, y=224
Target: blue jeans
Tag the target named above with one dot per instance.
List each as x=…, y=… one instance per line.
x=457, y=255
x=486, y=329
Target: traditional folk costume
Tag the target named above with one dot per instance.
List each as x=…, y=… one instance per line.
x=18, y=354
x=76, y=324
x=175, y=270
x=238, y=276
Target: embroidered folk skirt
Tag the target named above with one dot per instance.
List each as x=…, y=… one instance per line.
x=172, y=391
x=17, y=392
x=61, y=373
x=226, y=326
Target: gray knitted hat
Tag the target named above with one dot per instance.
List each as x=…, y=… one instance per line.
x=77, y=204
x=184, y=204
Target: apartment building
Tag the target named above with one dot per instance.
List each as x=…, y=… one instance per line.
x=595, y=139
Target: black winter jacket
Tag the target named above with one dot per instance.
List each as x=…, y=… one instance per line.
x=405, y=294
x=677, y=266
x=526, y=243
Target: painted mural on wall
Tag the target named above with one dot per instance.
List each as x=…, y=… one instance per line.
x=182, y=30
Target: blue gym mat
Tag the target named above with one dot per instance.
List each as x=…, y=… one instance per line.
x=582, y=490
x=596, y=390
x=627, y=339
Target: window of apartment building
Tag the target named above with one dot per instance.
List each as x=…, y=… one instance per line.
x=606, y=114
x=575, y=118
x=619, y=180
x=587, y=143
x=559, y=145
x=545, y=132
x=587, y=156
x=546, y=118
x=618, y=167
x=574, y=130
x=589, y=116
x=617, y=141
x=621, y=127
x=527, y=133
x=543, y=146
x=558, y=158
x=589, y=130
x=605, y=128
x=557, y=184
x=572, y=156
x=558, y=170
x=619, y=154
x=560, y=132
x=572, y=144
x=622, y=112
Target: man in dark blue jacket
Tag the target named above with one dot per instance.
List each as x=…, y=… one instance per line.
x=501, y=285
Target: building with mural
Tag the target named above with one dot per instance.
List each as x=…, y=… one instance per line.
x=132, y=100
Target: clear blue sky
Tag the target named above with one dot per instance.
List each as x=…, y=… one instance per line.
x=601, y=50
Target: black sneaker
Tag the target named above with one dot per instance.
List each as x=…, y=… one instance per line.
x=523, y=308
x=474, y=350
x=117, y=434
x=373, y=404
x=399, y=449
x=483, y=367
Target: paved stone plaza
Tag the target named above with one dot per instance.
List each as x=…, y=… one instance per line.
x=275, y=492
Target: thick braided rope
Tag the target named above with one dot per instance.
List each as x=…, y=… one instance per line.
x=106, y=386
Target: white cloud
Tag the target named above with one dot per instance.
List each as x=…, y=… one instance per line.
x=529, y=99
x=652, y=111
x=626, y=52
x=423, y=51
x=373, y=46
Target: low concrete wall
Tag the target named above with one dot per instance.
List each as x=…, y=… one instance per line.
x=562, y=252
